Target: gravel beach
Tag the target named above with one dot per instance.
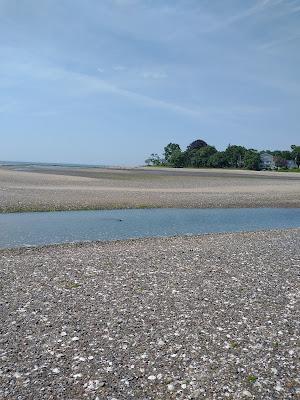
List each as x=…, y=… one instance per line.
x=211, y=316
x=42, y=189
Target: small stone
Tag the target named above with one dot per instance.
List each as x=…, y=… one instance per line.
x=94, y=385
x=56, y=370
x=171, y=387
x=197, y=393
x=160, y=343
x=152, y=377
x=75, y=339
x=278, y=387
x=246, y=393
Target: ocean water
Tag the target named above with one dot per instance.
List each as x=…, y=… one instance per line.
x=25, y=164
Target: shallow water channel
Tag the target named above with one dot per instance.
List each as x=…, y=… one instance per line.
x=33, y=229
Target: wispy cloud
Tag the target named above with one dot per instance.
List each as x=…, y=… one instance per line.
x=154, y=75
x=80, y=84
x=288, y=7
x=279, y=42
x=119, y=68
x=89, y=84
x=259, y=7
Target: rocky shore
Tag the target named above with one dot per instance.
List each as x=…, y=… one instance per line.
x=210, y=317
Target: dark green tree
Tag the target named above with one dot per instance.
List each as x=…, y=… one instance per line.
x=235, y=156
x=200, y=157
x=196, y=144
x=218, y=160
x=176, y=159
x=252, y=160
x=170, y=149
x=285, y=154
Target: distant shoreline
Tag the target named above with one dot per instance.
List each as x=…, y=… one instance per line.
x=46, y=164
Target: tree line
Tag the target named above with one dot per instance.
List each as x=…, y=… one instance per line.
x=199, y=154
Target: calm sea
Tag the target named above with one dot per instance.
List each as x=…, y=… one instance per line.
x=26, y=164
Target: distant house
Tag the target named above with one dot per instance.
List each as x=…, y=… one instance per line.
x=267, y=161
x=291, y=164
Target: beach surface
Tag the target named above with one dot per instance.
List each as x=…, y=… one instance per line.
x=42, y=189
x=213, y=316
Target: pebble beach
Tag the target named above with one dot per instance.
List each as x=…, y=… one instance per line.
x=212, y=317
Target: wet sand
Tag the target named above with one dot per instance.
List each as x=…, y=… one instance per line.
x=41, y=189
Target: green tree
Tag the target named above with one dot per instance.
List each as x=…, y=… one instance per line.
x=196, y=144
x=296, y=154
x=154, y=160
x=285, y=154
x=200, y=157
x=218, y=160
x=176, y=159
x=235, y=156
x=252, y=160
x=170, y=149
x=280, y=162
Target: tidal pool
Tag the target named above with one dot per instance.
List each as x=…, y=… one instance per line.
x=43, y=228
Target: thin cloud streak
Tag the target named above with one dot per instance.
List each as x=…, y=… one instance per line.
x=84, y=84
x=87, y=84
x=279, y=42
x=261, y=6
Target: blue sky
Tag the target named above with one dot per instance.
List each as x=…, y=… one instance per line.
x=111, y=81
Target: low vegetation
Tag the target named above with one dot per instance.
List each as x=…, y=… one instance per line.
x=199, y=154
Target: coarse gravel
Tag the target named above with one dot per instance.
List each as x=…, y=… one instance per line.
x=203, y=317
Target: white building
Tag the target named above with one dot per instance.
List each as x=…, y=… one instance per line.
x=291, y=164
x=267, y=161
